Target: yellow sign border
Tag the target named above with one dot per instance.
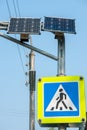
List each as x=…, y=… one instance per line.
x=55, y=120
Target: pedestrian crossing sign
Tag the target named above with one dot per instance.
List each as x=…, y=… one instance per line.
x=61, y=99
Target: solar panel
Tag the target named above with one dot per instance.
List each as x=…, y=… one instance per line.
x=24, y=26
x=59, y=25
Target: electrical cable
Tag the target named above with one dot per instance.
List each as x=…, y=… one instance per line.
x=15, y=8
x=8, y=8
x=17, y=1
x=18, y=8
x=9, y=11
x=19, y=52
x=20, y=58
x=19, y=14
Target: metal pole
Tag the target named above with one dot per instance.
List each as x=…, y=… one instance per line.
x=61, y=127
x=61, y=54
x=32, y=78
x=61, y=63
x=29, y=46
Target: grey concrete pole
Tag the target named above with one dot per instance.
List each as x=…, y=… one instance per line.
x=32, y=78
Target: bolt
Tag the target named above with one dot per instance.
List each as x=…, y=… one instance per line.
x=39, y=80
x=81, y=78
x=39, y=121
x=83, y=119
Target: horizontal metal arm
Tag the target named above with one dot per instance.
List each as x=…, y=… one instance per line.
x=3, y=28
x=28, y=46
x=4, y=25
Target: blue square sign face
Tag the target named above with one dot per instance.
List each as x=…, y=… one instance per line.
x=61, y=99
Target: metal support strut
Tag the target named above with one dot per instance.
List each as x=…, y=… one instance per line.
x=61, y=53
x=61, y=62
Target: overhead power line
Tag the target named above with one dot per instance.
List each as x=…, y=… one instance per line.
x=15, y=8
x=18, y=8
x=17, y=13
x=9, y=11
x=20, y=58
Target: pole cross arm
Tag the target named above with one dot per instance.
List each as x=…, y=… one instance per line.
x=3, y=28
x=29, y=46
x=4, y=25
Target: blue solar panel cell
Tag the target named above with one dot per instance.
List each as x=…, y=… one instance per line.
x=59, y=25
x=24, y=25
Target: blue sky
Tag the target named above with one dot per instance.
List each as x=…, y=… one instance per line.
x=14, y=95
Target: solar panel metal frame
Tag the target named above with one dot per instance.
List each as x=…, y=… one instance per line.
x=24, y=26
x=59, y=30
